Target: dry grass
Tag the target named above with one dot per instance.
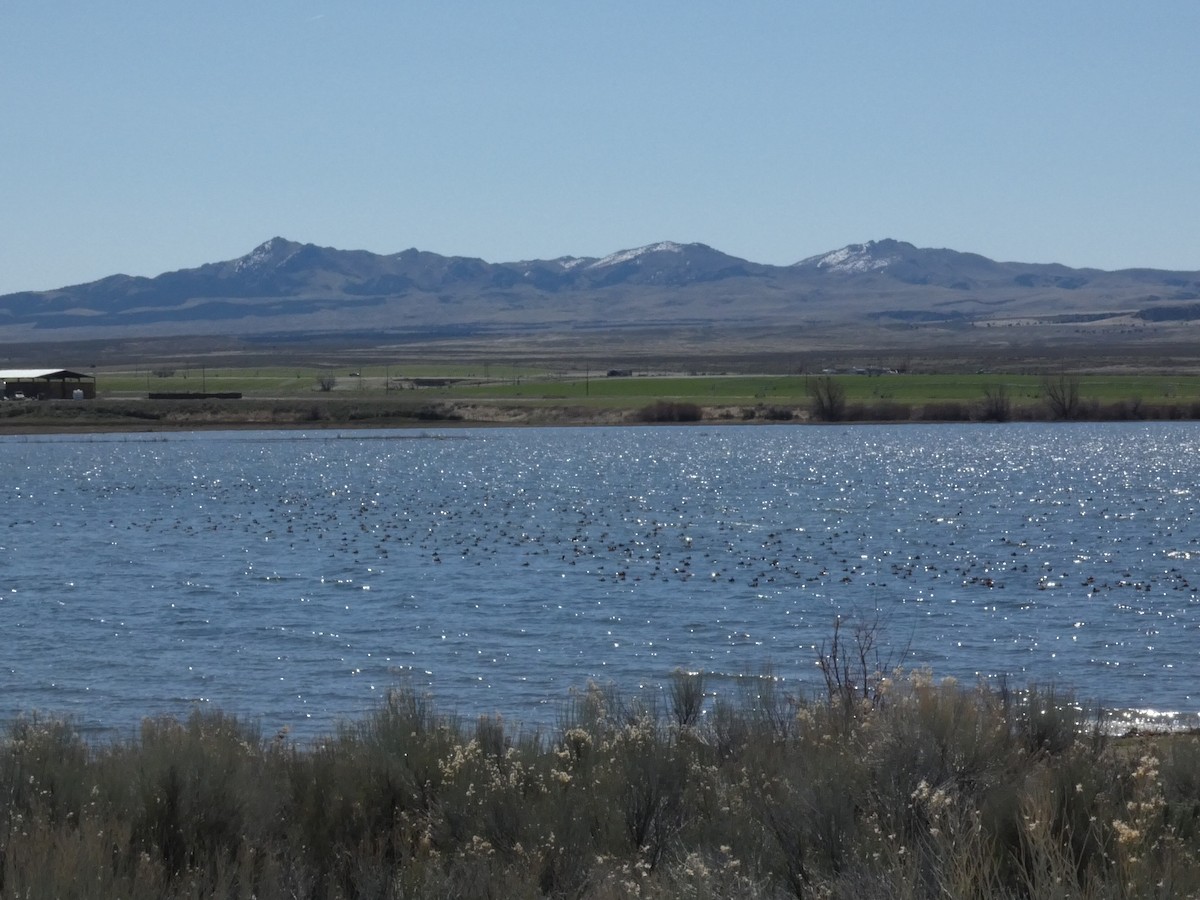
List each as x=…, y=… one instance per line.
x=911, y=788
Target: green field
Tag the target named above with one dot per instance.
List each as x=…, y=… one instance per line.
x=391, y=396
x=859, y=388
x=498, y=383
x=291, y=381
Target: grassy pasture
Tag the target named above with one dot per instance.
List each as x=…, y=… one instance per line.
x=292, y=381
x=258, y=382
x=1024, y=390
x=495, y=382
x=385, y=396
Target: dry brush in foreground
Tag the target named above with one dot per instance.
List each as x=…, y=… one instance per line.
x=900, y=786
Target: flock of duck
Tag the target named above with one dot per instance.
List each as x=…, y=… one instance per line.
x=754, y=553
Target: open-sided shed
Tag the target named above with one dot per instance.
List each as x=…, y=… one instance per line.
x=46, y=384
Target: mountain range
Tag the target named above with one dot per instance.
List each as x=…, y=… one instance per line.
x=285, y=288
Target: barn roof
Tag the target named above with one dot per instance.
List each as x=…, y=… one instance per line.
x=35, y=374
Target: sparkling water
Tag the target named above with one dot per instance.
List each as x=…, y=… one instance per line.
x=294, y=577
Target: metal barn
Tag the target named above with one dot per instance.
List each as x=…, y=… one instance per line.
x=46, y=384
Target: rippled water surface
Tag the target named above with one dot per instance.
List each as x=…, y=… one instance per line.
x=294, y=576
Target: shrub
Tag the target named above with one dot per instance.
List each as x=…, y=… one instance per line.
x=828, y=399
x=777, y=414
x=881, y=411
x=1061, y=393
x=434, y=413
x=997, y=404
x=687, y=697
x=670, y=411
x=946, y=411
x=886, y=784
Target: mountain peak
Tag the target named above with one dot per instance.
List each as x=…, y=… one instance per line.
x=622, y=256
x=858, y=258
x=271, y=252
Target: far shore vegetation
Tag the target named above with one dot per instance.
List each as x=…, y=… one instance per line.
x=885, y=784
x=386, y=396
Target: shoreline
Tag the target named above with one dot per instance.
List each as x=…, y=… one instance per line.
x=97, y=417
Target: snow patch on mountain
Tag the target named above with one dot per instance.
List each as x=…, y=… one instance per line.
x=261, y=256
x=636, y=254
x=851, y=259
x=573, y=262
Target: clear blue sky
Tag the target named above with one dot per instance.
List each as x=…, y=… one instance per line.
x=142, y=137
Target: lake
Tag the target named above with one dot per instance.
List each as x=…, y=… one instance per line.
x=294, y=577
